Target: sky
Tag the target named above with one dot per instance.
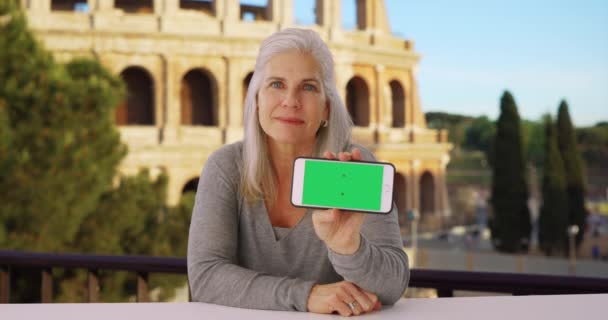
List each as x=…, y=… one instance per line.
x=542, y=51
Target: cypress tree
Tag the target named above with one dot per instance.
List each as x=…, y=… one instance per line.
x=553, y=218
x=573, y=164
x=510, y=222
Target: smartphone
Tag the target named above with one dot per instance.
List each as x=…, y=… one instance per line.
x=347, y=185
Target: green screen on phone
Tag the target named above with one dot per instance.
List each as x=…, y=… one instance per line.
x=338, y=184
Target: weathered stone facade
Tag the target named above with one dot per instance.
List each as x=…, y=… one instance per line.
x=187, y=65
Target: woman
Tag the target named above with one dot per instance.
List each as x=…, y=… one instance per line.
x=248, y=246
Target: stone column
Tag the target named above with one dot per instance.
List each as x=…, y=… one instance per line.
x=381, y=113
x=281, y=12
x=103, y=5
x=445, y=201
x=387, y=116
x=92, y=5
x=228, y=10
x=231, y=87
x=158, y=6
x=410, y=100
x=169, y=7
x=407, y=91
x=402, y=169
x=415, y=184
x=417, y=117
x=101, y=10
x=342, y=72
x=40, y=6
x=159, y=78
x=170, y=100
x=234, y=102
x=370, y=79
x=336, y=14
x=438, y=183
x=329, y=16
x=409, y=196
x=168, y=84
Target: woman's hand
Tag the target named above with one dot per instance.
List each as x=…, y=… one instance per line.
x=340, y=230
x=335, y=297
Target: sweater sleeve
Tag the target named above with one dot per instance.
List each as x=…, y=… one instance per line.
x=380, y=265
x=213, y=271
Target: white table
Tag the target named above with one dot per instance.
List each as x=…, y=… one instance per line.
x=570, y=307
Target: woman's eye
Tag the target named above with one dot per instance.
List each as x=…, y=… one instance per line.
x=276, y=85
x=310, y=87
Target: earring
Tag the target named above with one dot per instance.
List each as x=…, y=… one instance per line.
x=324, y=123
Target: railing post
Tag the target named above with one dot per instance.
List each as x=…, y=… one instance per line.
x=47, y=285
x=142, y=287
x=5, y=284
x=93, y=285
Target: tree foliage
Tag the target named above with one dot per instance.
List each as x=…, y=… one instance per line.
x=510, y=223
x=574, y=170
x=479, y=135
x=553, y=218
x=64, y=143
x=455, y=124
x=59, y=156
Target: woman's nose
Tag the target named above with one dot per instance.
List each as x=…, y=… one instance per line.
x=291, y=100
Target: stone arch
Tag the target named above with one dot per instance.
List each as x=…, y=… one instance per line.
x=138, y=107
x=357, y=101
x=398, y=104
x=400, y=196
x=197, y=98
x=427, y=193
x=246, y=82
x=191, y=185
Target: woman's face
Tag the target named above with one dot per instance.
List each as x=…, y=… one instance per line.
x=291, y=100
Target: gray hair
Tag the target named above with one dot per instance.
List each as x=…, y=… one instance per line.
x=257, y=175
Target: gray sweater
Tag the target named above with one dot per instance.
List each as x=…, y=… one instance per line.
x=234, y=258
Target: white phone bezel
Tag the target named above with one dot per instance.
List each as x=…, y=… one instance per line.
x=387, y=185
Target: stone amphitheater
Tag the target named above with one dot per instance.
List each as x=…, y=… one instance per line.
x=187, y=64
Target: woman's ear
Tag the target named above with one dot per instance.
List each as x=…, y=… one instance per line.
x=326, y=111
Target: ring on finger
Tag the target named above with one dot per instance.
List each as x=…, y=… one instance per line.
x=352, y=305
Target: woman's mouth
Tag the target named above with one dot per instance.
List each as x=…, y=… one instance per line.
x=290, y=120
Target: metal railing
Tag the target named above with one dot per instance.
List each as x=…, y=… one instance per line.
x=445, y=282
x=142, y=266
